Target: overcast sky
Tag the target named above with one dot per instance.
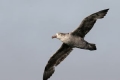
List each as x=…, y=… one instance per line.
x=26, y=27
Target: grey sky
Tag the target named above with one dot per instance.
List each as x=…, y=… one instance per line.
x=26, y=27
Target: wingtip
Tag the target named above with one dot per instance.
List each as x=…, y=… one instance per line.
x=48, y=73
x=106, y=9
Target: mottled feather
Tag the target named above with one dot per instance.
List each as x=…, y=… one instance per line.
x=58, y=57
x=87, y=23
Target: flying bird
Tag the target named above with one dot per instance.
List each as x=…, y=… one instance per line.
x=74, y=39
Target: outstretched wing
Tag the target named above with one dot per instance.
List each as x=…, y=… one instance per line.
x=58, y=57
x=88, y=23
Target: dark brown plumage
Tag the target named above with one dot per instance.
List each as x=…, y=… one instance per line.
x=85, y=26
x=59, y=56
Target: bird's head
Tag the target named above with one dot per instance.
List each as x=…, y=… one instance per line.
x=58, y=35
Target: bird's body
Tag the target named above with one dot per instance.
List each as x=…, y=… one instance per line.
x=74, y=39
x=71, y=40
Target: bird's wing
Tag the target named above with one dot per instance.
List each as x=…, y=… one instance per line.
x=88, y=22
x=58, y=57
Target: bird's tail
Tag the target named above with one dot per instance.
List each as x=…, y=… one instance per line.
x=91, y=46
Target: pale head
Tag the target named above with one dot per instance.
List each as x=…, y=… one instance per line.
x=58, y=35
